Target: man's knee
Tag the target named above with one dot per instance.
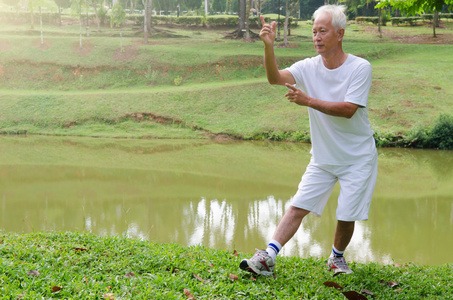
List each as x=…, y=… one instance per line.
x=297, y=212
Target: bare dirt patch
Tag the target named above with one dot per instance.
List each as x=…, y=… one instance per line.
x=129, y=53
x=4, y=45
x=288, y=45
x=440, y=39
x=87, y=47
x=46, y=44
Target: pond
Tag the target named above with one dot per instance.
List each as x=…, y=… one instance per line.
x=224, y=195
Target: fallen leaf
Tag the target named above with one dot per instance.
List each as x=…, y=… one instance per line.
x=368, y=292
x=188, y=294
x=233, y=277
x=235, y=253
x=33, y=273
x=392, y=284
x=333, y=284
x=109, y=296
x=398, y=290
x=198, y=277
x=130, y=274
x=437, y=87
x=252, y=278
x=353, y=295
x=56, y=289
x=397, y=265
x=79, y=249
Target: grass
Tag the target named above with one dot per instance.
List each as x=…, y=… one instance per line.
x=58, y=90
x=84, y=266
x=201, y=81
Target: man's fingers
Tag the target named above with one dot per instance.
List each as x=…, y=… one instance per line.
x=290, y=86
x=262, y=20
x=274, y=25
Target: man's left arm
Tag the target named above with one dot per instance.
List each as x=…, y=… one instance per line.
x=337, y=109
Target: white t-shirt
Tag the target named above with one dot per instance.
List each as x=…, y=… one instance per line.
x=337, y=140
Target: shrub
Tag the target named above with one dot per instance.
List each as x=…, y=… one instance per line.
x=118, y=16
x=441, y=135
x=405, y=20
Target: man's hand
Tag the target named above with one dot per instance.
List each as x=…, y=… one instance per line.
x=296, y=95
x=267, y=33
x=337, y=109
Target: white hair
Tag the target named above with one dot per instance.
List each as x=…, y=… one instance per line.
x=337, y=12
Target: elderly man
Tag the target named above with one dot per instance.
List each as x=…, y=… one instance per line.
x=334, y=86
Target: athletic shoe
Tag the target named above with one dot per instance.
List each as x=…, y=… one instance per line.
x=260, y=264
x=338, y=265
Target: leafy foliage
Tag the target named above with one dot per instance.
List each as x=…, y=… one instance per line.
x=118, y=15
x=413, y=7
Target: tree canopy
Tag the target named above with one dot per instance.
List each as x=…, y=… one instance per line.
x=416, y=6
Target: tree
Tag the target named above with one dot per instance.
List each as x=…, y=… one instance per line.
x=118, y=16
x=98, y=10
x=191, y=4
x=247, y=17
x=241, y=14
x=13, y=3
x=219, y=5
x=62, y=4
x=290, y=7
x=148, y=5
x=414, y=7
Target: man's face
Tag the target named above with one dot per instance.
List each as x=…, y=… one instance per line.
x=325, y=38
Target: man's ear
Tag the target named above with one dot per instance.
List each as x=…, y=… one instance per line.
x=340, y=33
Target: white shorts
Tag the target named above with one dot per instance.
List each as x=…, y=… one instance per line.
x=357, y=184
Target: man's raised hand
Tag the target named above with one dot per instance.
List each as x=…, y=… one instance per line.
x=267, y=33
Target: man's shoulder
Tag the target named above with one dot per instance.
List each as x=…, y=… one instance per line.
x=308, y=62
x=357, y=60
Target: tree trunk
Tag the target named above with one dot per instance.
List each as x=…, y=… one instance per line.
x=241, y=23
x=80, y=35
x=149, y=13
x=32, y=26
x=145, y=25
x=380, y=22
x=96, y=12
x=285, y=27
x=40, y=24
x=247, y=23
x=59, y=13
x=435, y=21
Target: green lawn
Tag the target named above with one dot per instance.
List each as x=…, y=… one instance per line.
x=203, y=82
x=84, y=266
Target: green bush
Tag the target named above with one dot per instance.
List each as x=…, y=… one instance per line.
x=212, y=21
x=24, y=17
x=405, y=20
x=118, y=16
x=441, y=135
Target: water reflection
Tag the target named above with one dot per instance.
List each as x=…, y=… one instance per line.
x=228, y=196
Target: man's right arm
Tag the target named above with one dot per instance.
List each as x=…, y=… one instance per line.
x=274, y=75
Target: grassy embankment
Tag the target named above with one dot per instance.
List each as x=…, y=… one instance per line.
x=83, y=266
x=192, y=83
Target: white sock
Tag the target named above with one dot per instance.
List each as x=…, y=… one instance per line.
x=273, y=248
x=336, y=252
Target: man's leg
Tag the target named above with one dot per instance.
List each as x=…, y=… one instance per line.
x=289, y=224
x=262, y=263
x=343, y=235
